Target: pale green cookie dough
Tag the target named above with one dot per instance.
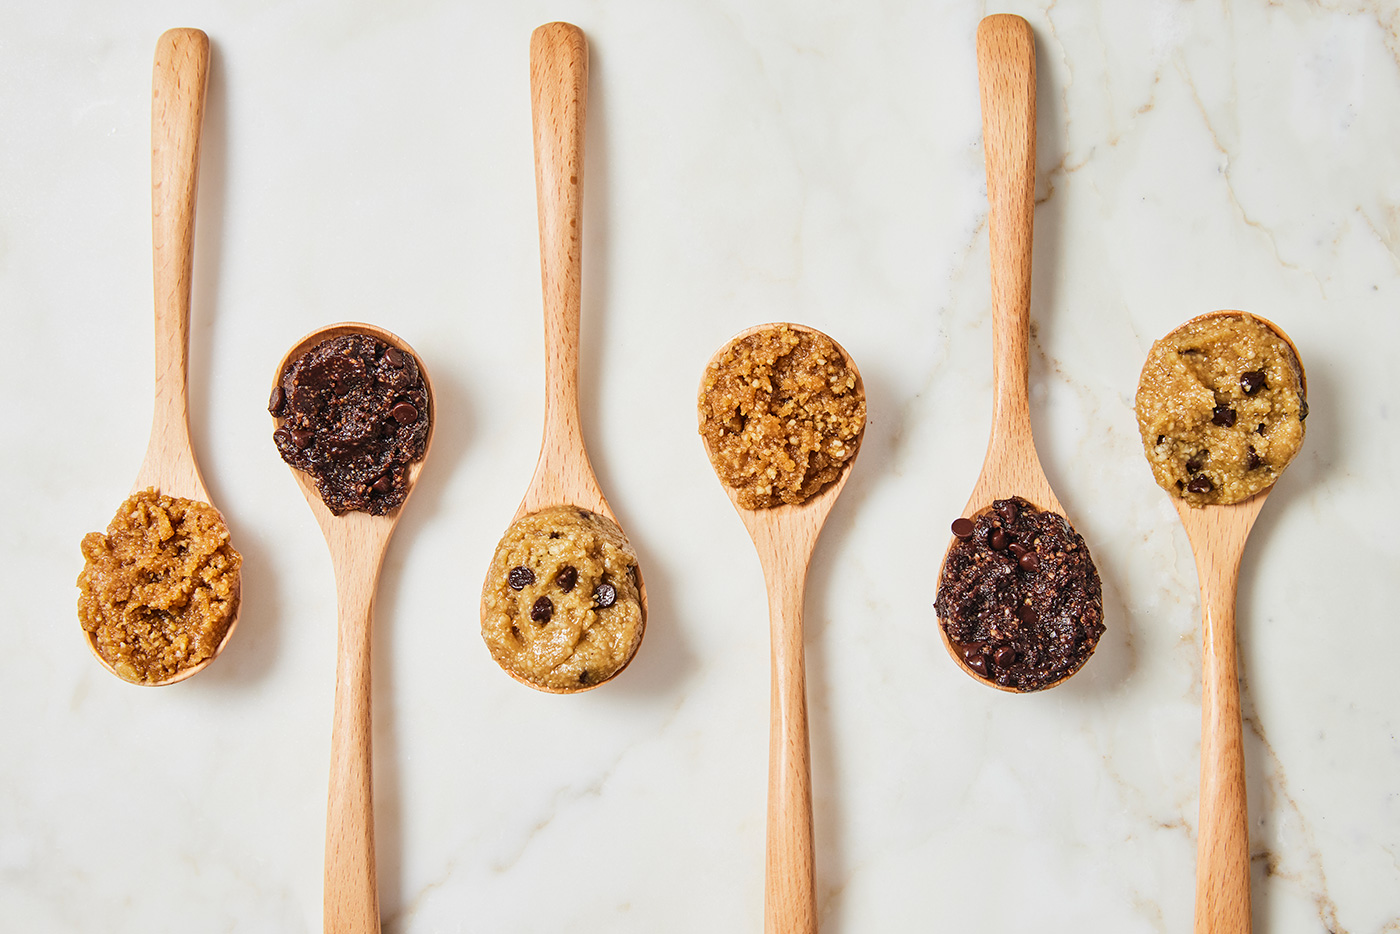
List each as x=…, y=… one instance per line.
x=561, y=608
x=1220, y=406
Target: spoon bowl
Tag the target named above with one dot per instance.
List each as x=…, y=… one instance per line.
x=178, y=84
x=1218, y=533
x=785, y=537
x=563, y=474
x=357, y=542
x=1006, y=76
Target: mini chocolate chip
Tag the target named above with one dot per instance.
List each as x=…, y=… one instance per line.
x=962, y=527
x=520, y=577
x=553, y=534
x=1004, y=656
x=1260, y=429
x=1026, y=613
x=971, y=649
x=1008, y=511
x=566, y=578
x=515, y=631
x=394, y=357
x=997, y=539
x=1197, y=461
x=604, y=596
x=1253, y=461
x=1180, y=485
x=1161, y=438
x=978, y=663
x=282, y=437
x=542, y=610
x=1252, y=381
x=1223, y=415
x=1029, y=561
x=1200, y=484
x=1016, y=548
x=384, y=484
x=302, y=437
x=583, y=676
x=278, y=397
x=404, y=413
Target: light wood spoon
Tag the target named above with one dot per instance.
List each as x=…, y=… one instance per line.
x=558, y=96
x=357, y=542
x=785, y=537
x=1006, y=76
x=1218, y=534
x=177, y=114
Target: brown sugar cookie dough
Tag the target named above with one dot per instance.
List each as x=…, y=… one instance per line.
x=1220, y=405
x=561, y=608
x=160, y=589
x=356, y=416
x=781, y=412
x=1019, y=598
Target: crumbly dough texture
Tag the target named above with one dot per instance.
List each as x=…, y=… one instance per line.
x=1220, y=406
x=580, y=564
x=161, y=588
x=1023, y=622
x=781, y=414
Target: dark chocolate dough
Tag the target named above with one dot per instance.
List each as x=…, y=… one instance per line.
x=1019, y=598
x=356, y=414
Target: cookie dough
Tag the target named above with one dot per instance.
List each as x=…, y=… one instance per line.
x=160, y=589
x=355, y=414
x=781, y=412
x=561, y=609
x=1019, y=598
x=1221, y=405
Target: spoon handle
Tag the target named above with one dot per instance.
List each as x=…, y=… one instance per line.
x=351, y=886
x=559, y=92
x=790, y=903
x=177, y=113
x=1006, y=77
x=1222, y=841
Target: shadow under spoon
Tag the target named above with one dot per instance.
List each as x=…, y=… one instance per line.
x=785, y=537
x=357, y=542
x=178, y=84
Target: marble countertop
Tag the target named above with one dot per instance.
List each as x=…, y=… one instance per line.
x=819, y=163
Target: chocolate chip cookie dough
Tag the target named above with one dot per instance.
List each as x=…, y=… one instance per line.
x=1221, y=405
x=561, y=608
x=781, y=412
x=160, y=589
x=1019, y=598
x=356, y=416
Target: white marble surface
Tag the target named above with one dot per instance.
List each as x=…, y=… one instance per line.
x=747, y=162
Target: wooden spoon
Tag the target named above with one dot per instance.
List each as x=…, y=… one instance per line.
x=1218, y=534
x=177, y=114
x=558, y=96
x=1006, y=75
x=357, y=543
x=785, y=537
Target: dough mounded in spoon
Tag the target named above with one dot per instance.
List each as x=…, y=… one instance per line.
x=562, y=608
x=1220, y=406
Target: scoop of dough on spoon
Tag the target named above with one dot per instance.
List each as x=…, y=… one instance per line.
x=341, y=400
x=200, y=575
x=1220, y=406
x=563, y=607
x=782, y=413
x=1019, y=600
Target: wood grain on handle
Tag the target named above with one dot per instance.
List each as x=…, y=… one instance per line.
x=178, y=84
x=559, y=92
x=790, y=901
x=1218, y=535
x=351, y=893
x=1006, y=78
